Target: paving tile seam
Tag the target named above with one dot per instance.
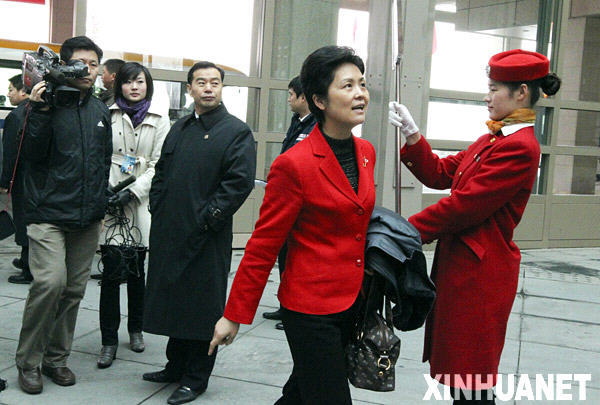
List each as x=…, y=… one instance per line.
x=552, y=345
x=558, y=319
x=116, y=358
x=526, y=295
x=154, y=394
x=592, y=281
x=259, y=337
x=246, y=381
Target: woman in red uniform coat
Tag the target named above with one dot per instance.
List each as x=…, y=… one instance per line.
x=476, y=263
x=319, y=197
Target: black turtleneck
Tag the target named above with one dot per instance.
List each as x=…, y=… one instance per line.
x=343, y=149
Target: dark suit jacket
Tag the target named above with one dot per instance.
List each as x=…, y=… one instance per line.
x=296, y=129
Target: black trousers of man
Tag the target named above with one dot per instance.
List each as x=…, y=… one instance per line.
x=317, y=344
x=189, y=362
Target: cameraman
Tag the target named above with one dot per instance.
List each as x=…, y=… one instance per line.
x=67, y=152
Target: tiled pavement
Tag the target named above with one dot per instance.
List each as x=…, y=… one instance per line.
x=554, y=328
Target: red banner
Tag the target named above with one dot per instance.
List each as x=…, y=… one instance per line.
x=30, y=1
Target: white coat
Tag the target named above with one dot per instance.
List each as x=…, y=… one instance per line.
x=145, y=143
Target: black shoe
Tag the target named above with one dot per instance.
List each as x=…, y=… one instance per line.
x=161, y=376
x=275, y=315
x=183, y=395
x=30, y=381
x=106, y=356
x=18, y=263
x=279, y=326
x=59, y=375
x=136, y=342
x=97, y=276
x=20, y=279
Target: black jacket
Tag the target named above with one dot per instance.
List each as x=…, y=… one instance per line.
x=296, y=129
x=13, y=123
x=205, y=173
x=11, y=137
x=68, y=154
x=393, y=250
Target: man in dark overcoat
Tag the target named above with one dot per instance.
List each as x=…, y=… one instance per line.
x=13, y=125
x=205, y=173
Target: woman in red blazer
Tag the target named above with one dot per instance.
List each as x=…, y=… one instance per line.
x=319, y=198
x=476, y=263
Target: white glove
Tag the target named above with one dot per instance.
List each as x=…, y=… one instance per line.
x=400, y=117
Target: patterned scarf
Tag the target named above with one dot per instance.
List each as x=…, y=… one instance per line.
x=519, y=116
x=136, y=112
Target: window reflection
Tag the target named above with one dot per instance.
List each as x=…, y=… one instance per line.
x=168, y=30
x=576, y=175
x=456, y=120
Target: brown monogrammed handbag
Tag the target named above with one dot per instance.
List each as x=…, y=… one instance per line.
x=372, y=353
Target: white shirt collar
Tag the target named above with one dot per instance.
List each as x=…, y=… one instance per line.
x=511, y=129
x=303, y=118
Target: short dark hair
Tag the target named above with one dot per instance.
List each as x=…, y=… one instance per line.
x=296, y=85
x=318, y=71
x=203, y=65
x=80, y=42
x=550, y=84
x=113, y=65
x=130, y=71
x=17, y=81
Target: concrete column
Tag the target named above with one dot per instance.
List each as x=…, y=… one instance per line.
x=62, y=20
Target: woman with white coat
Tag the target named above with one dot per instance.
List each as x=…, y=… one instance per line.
x=139, y=129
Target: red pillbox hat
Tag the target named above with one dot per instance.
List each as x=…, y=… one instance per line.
x=518, y=65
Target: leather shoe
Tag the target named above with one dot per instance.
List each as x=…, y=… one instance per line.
x=30, y=381
x=59, y=375
x=275, y=315
x=182, y=395
x=279, y=326
x=161, y=376
x=136, y=342
x=106, y=356
x=20, y=279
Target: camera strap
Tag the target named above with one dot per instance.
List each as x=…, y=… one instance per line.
x=12, y=180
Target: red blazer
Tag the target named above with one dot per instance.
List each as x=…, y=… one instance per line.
x=476, y=265
x=310, y=203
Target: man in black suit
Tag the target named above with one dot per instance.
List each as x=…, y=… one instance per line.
x=301, y=125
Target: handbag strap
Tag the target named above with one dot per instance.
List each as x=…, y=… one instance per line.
x=14, y=173
x=384, y=308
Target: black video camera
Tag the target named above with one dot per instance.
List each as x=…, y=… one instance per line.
x=45, y=65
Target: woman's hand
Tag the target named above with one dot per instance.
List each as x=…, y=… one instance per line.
x=225, y=332
x=400, y=117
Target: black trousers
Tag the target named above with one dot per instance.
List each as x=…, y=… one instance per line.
x=110, y=309
x=188, y=361
x=317, y=344
x=281, y=262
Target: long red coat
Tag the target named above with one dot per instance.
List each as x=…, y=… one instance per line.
x=476, y=264
x=308, y=201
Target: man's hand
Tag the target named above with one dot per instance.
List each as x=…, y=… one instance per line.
x=3, y=190
x=225, y=332
x=36, y=95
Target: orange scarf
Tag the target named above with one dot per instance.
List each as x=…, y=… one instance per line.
x=519, y=116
